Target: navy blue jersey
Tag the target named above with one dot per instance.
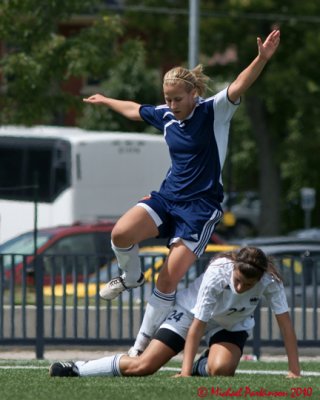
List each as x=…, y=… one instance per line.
x=197, y=147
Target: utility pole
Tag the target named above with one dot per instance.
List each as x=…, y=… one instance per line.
x=193, y=33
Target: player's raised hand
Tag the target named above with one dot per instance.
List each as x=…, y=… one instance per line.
x=269, y=46
x=95, y=99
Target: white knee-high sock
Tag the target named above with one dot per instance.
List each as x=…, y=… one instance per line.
x=129, y=261
x=156, y=311
x=106, y=366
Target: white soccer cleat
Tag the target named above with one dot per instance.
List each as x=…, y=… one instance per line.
x=142, y=342
x=116, y=286
x=134, y=352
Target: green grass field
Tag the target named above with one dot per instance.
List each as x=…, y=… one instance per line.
x=30, y=380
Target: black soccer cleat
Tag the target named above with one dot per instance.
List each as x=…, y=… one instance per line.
x=64, y=369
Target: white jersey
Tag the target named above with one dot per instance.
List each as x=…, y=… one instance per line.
x=212, y=298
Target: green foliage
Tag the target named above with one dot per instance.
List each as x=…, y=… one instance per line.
x=25, y=22
x=127, y=56
x=128, y=79
x=165, y=35
x=289, y=89
x=40, y=58
x=242, y=156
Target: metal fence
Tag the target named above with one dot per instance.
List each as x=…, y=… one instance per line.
x=54, y=300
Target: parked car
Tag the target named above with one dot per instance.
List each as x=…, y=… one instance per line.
x=299, y=264
x=241, y=214
x=80, y=248
x=56, y=246
x=152, y=259
x=308, y=234
x=275, y=240
x=154, y=256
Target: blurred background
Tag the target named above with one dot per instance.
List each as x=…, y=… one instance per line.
x=63, y=162
x=55, y=53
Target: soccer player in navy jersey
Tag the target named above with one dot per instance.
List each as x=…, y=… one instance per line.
x=219, y=304
x=187, y=207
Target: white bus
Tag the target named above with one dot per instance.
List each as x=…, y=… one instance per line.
x=82, y=175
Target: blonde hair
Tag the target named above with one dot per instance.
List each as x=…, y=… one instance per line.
x=191, y=79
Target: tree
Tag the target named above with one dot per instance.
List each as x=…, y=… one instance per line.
x=273, y=142
x=40, y=59
x=274, y=135
x=281, y=106
x=127, y=79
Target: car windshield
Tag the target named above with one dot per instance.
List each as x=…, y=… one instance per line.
x=24, y=244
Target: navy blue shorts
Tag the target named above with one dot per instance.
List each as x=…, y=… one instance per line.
x=191, y=221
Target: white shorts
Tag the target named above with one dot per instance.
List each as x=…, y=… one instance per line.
x=178, y=321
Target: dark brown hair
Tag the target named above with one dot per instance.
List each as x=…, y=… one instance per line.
x=252, y=263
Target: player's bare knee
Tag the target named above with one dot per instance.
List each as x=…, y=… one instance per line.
x=220, y=370
x=120, y=237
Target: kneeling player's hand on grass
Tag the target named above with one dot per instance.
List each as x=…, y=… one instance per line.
x=293, y=375
x=180, y=375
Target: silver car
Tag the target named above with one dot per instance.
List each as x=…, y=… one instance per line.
x=299, y=265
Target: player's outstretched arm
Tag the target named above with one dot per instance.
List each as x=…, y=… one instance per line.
x=249, y=75
x=290, y=343
x=128, y=109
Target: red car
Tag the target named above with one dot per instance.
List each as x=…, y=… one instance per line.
x=77, y=246
x=66, y=253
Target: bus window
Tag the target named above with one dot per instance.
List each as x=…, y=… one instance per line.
x=24, y=160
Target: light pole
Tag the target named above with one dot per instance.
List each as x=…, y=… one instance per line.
x=193, y=33
x=308, y=200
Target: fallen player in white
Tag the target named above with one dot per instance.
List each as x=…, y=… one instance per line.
x=219, y=304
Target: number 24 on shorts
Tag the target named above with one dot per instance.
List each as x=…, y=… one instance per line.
x=175, y=316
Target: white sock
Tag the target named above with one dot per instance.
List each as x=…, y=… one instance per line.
x=129, y=262
x=106, y=366
x=156, y=311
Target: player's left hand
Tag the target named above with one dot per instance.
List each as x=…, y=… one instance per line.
x=180, y=375
x=269, y=46
x=292, y=375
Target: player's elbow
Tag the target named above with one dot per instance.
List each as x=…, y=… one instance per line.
x=132, y=112
x=135, y=117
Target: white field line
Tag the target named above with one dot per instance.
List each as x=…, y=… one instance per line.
x=174, y=369
x=253, y=371
x=22, y=367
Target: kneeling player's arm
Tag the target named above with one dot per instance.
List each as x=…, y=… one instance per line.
x=290, y=343
x=194, y=336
